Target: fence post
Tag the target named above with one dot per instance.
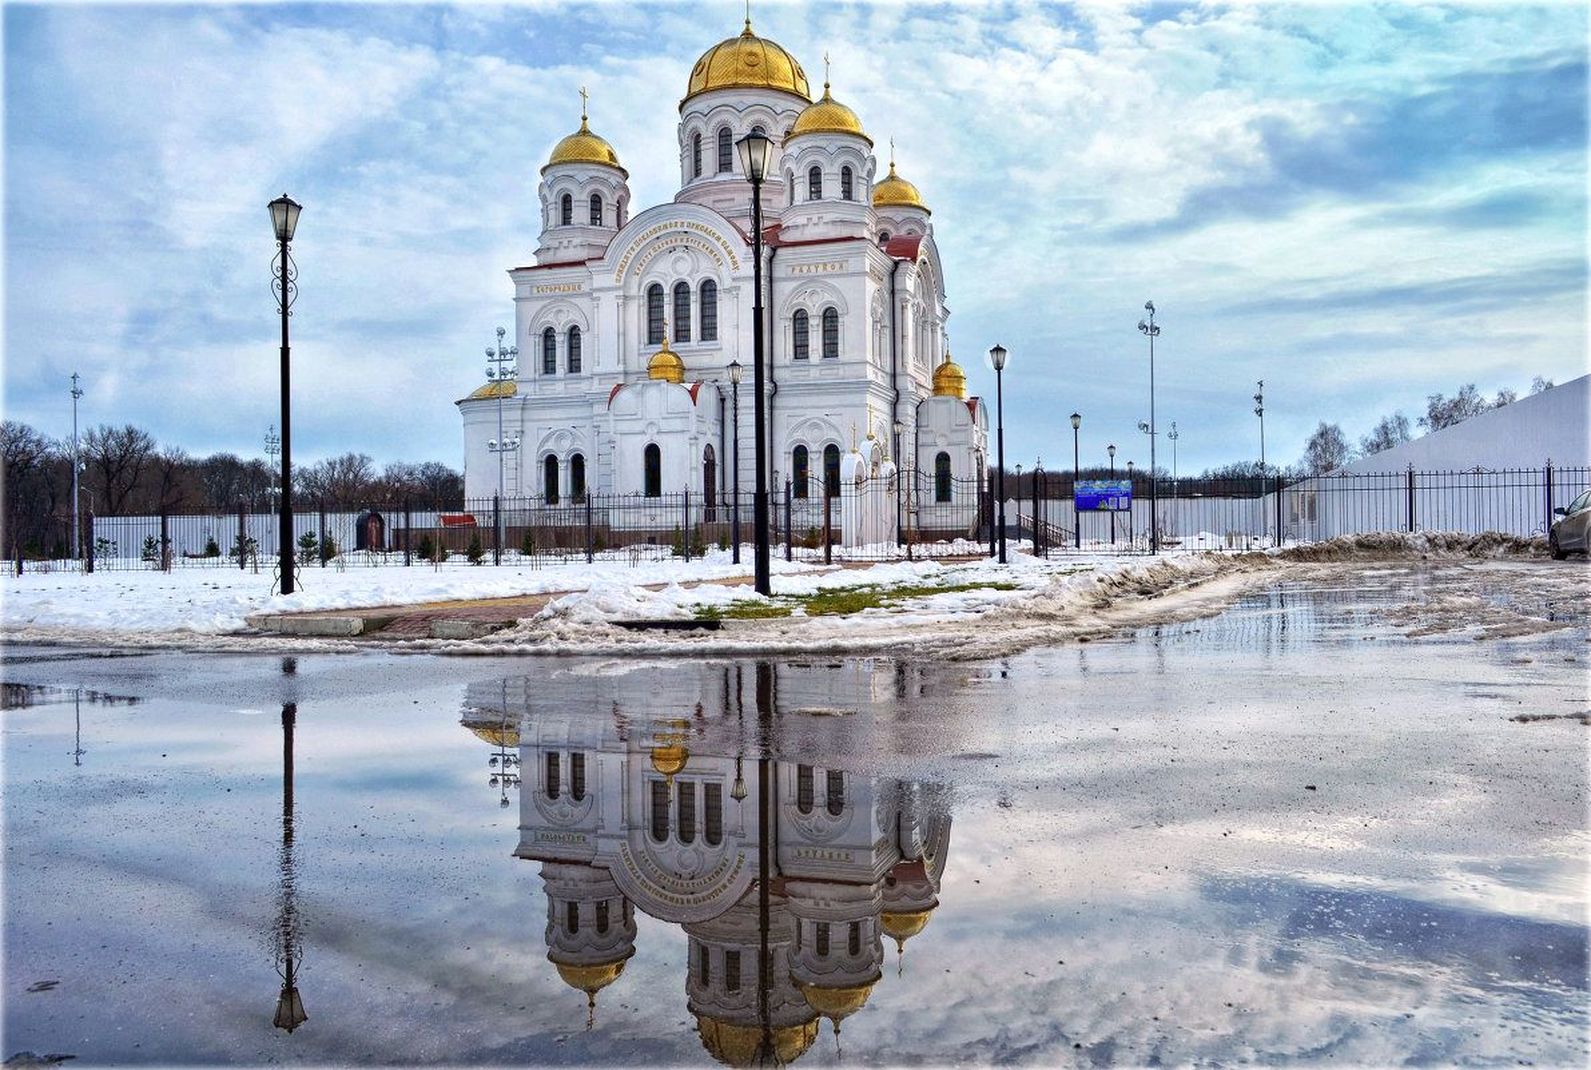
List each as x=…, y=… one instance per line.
x=408, y=527
x=320, y=550
x=165, y=542
x=88, y=557
x=1278, y=542
x=1549, y=494
x=590, y=531
x=789, y=536
x=1038, y=546
x=828, y=541
x=1410, y=484
x=685, y=531
x=497, y=529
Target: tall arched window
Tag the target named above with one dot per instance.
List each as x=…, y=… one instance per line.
x=572, y=361
x=853, y=942
x=551, y=787
x=804, y=788
x=602, y=916
x=847, y=184
x=687, y=811
x=801, y=466
x=682, y=311
x=942, y=477
x=821, y=942
x=713, y=815
x=659, y=810
x=566, y=210
x=577, y=477
x=834, y=792
x=596, y=209
x=831, y=470
x=549, y=352
x=709, y=311
x=789, y=187
x=571, y=917
x=549, y=479
x=577, y=787
x=652, y=485
x=801, y=345
x=696, y=156
x=831, y=333
x=815, y=183
x=654, y=314
x=726, y=151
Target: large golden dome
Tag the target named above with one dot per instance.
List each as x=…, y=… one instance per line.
x=837, y=1003
x=949, y=380
x=666, y=365
x=591, y=979
x=903, y=925
x=740, y=1045
x=896, y=192
x=583, y=146
x=827, y=116
x=747, y=62
x=502, y=388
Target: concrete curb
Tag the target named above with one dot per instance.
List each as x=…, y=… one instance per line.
x=300, y=624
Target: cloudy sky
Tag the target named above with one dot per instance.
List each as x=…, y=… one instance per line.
x=1359, y=204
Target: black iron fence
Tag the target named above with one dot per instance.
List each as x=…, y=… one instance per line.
x=911, y=515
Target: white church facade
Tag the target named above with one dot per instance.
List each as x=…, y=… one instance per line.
x=627, y=322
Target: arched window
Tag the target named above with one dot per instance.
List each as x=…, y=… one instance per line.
x=577, y=478
x=822, y=941
x=804, y=788
x=572, y=361
x=726, y=152
x=566, y=210
x=942, y=477
x=731, y=971
x=801, y=347
x=853, y=942
x=687, y=811
x=709, y=311
x=602, y=916
x=801, y=465
x=549, y=352
x=596, y=209
x=654, y=314
x=704, y=973
x=549, y=479
x=789, y=187
x=846, y=184
x=883, y=237
x=831, y=333
x=652, y=485
x=835, y=793
x=713, y=819
x=551, y=786
x=696, y=156
x=577, y=778
x=815, y=183
x=831, y=470
x=571, y=917
x=659, y=810
x=682, y=311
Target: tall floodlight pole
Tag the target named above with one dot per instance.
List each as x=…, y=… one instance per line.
x=1111, y=450
x=735, y=372
x=1259, y=410
x=284, y=221
x=501, y=369
x=755, y=149
x=1077, y=471
x=1173, y=435
x=997, y=356
x=77, y=529
x=1151, y=331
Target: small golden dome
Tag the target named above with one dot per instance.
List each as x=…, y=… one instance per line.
x=669, y=758
x=896, y=192
x=904, y=925
x=740, y=1045
x=591, y=979
x=496, y=735
x=827, y=116
x=837, y=1003
x=949, y=380
x=503, y=388
x=583, y=146
x=666, y=365
x=747, y=62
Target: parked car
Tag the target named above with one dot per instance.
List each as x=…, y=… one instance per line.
x=1571, y=532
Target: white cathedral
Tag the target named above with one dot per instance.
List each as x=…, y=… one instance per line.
x=626, y=324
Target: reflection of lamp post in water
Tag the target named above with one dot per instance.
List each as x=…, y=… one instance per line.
x=504, y=766
x=766, y=1053
x=289, y=1006
x=77, y=744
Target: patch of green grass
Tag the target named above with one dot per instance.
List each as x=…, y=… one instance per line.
x=745, y=610
x=840, y=601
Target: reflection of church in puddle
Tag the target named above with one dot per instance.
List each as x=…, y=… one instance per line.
x=666, y=814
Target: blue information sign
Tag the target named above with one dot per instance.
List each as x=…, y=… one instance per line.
x=1102, y=495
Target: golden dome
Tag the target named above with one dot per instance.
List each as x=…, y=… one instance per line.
x=747, y=62
x=896, y=192
x=669, y=759
x=666, y=365
x=496, y=735
x=583, y=146
x=904, y=925
x=837, y=1003
x=949, y=380
x=827, y=116
x=738, y=1045
x=503, y=388
x=591, y=979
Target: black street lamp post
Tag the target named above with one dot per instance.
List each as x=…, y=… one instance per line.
x=1152, y=332
x=1077, y=470
x=755, y=150
x=1111, y=449
x=997, y=356
x=284, y=220
x=735, y=371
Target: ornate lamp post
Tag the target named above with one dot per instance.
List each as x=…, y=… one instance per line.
x=997, y=355
x=1077, y=471
x=501, y=367
x=289, y=1004
x=735, y=372
x=77, y=526
x=1151, y=331
x=755, y=151
x=284, y=221
x=1259, y=410
x=1111, y=450
x=1173, y=435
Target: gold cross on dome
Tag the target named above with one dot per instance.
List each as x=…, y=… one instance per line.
x=825, y=70
x=892, y=153
x=584, y=97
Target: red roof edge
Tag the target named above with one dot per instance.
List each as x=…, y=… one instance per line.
x=695, y=389
x=559, y=264
x=614, y=393
x=814, y=241
x=904, y=248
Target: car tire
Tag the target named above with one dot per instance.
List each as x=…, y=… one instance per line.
x=1558, y=553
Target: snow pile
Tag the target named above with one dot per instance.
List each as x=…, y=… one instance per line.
x=1421, y=544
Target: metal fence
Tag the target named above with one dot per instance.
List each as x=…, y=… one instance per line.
x=914, y=515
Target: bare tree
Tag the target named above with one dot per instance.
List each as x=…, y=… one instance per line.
x=1505, y=396
x=1390, y=431
x=346, y=480
x=25, y=461
x=1540, y=384
x=1327, y=449
x=117, y=457
x=1442, y=411
x=172, y=477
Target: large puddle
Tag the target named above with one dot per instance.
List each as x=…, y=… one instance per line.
x=1285, y=833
